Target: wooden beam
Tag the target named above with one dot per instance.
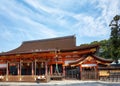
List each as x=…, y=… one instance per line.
x=32, y=56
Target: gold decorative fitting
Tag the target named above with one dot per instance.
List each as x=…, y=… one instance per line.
x=17, y=54
x=74, y=51
x=93, y=49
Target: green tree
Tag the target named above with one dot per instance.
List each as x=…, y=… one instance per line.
x=104, y=48
x=115, y=38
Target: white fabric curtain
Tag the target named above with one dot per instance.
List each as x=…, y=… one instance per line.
x=3, y=65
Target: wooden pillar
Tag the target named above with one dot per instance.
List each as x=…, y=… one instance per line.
x=63, y=70
x=46, y=68
x=18, y=69
x=80, y=72
x=20, y=66
x=7, y=71
x=63, y=59
x=32, y=69
x=35, y=67
x=97, y=72
x=51, y=69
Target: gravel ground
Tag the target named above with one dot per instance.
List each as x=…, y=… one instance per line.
x=62, y=83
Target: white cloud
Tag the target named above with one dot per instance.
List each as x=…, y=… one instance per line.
x=109, y=9
x=52, y=18
x=6, y=34
x=27, y=21
x=91, y=26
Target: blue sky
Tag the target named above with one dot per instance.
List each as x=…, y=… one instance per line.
x=23, y=20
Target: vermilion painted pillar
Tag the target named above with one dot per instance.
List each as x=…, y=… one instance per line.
x=80, y=72
x=51, y=69
x=32, y=69
x=35, y=67
x=63, y=70
x=7, y=71
x=18, y=69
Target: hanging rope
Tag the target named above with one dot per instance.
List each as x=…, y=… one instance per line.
x=57, y=69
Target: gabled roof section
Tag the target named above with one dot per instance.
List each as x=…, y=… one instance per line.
x=78, y=60
x=98, y=60
x=102, y=59
x=45, y=45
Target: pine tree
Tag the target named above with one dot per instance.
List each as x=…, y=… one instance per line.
x=115, y=38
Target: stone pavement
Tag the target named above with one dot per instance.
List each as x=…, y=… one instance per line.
x=62, y=83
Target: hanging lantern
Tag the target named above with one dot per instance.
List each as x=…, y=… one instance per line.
x=28, y=64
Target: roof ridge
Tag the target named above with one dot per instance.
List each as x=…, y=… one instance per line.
x=56, y=38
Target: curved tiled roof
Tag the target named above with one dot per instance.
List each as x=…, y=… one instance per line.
x=78, y=60
x=45, y=45
x=67, y=43
x=94, y=56
x=103, y=59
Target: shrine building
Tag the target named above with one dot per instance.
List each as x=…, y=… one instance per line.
x=51, y=58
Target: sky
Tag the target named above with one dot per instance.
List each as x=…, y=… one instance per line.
x=24, y=20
